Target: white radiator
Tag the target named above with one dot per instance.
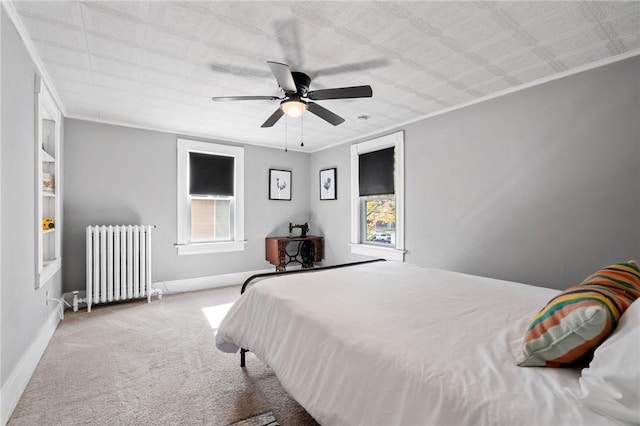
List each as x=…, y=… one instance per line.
x=118, y=263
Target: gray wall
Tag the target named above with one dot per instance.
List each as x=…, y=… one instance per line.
x=24, y=309
x=541, y=186
x=121, y=175
x=332, y=218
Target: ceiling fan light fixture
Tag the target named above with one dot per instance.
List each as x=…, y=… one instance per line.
x=293, y=107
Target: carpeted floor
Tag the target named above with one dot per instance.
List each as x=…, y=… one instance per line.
x=150, y=364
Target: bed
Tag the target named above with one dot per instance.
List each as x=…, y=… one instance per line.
x=393, y=343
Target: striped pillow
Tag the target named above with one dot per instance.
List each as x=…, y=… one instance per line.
x=570, y=327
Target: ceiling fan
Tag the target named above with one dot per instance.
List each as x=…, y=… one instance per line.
x=297, y=98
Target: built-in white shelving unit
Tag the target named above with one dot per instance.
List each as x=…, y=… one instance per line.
x=48, y=185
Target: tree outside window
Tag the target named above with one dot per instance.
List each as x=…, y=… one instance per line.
x=380, y=218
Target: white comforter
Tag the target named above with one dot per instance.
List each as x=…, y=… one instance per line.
x=395, y=344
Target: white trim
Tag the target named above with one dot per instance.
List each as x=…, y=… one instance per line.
x=543, y=80
x=577, y=70
x=2, y=404
x=395, y=140
x=49, y=271
x=17, y=22
x=181, y=134
x=355, y=202
x=17, y=382
x=203, y=248
x=46, y=108
x=388, y=253
x=204, y=283
x=190, y=284
x=185, y=146
x=33, y=52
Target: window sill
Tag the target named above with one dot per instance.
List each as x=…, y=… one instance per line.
x=388, y=253
x=204, y=248
x=49, y=270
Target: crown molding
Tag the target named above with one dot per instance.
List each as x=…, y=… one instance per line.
x=17, y=22
x=538, y=82
x=179, y=134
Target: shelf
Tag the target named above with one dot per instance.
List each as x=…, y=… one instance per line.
x=47, y=184
x=46, y=157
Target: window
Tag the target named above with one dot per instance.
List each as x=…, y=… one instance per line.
x=377, y=199
x=377, y=196
x=210, y=197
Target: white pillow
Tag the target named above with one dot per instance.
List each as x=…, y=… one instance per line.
x=611, y=383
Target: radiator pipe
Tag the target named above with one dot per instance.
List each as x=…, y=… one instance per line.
x=77, y=300
x=60, y=307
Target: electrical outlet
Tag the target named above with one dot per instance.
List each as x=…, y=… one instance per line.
x=46, y=295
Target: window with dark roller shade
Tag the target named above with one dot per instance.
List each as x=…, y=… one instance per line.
x=376, y=172
x=210, y=174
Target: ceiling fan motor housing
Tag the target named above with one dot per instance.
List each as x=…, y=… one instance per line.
x=302, y=82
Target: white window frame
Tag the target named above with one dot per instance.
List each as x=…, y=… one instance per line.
x=395, y=140
x=184, y=246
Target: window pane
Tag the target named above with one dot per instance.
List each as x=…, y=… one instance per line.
x=379, y=220
x=210, y=220
x=222, y=228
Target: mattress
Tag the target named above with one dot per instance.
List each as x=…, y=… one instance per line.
x=393, y=343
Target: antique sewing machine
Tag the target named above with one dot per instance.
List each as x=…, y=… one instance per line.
x=303, y=229
x=308, y=248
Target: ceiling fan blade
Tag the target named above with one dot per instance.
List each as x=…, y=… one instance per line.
x=287, y=33
x=244, y=98
x=324, y=113
x=238, y=70
x=341, y=93
x=282, y=73
x=353, y=67
x=273, y=119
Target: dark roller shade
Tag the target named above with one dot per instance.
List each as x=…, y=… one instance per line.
x=210, y=174
x=376, y=172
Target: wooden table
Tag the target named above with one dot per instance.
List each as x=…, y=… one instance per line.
x=309, y=249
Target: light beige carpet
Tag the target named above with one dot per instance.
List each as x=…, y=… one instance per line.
x=150, y=364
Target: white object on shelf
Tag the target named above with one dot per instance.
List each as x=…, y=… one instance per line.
x=46, y=157
x=48, y=182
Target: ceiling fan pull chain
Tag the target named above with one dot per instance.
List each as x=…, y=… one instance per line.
x=302, y=130
x=286, y=133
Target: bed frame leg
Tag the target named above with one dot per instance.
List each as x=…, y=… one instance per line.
x=242, y=358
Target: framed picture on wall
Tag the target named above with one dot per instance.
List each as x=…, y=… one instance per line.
x=279, y=184
x=328, y=184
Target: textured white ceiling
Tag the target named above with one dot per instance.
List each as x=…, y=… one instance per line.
x=156, y=64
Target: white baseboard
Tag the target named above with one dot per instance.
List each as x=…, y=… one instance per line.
x=17, y=382
x=192, y=284
x=204, y=283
